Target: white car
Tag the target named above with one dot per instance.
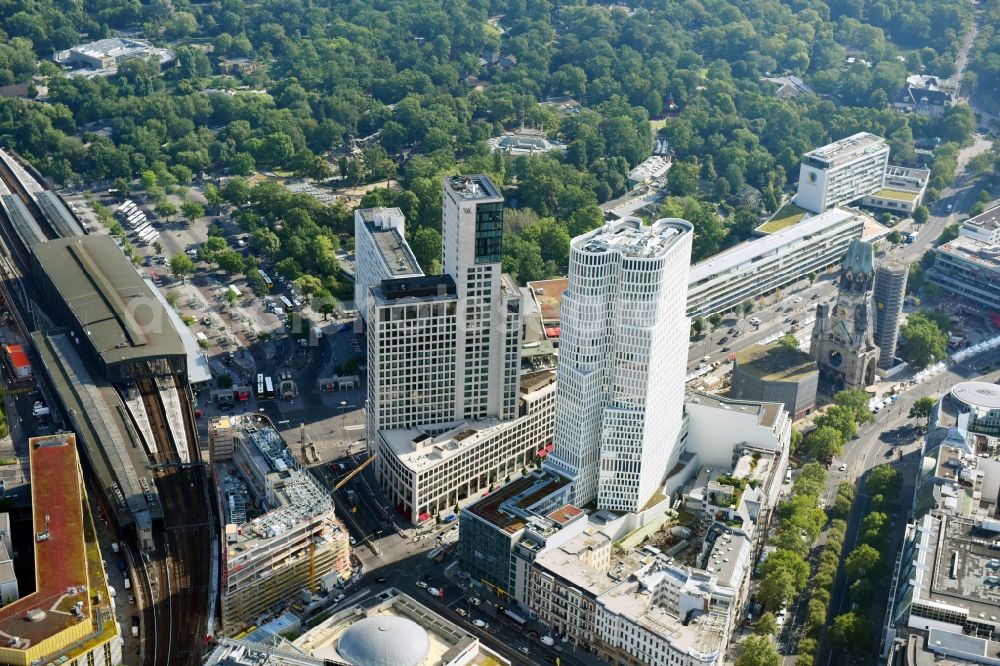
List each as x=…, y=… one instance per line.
x=798, y=299
x=475, y=601
x=433, y=591
x=755, y=321
x=461, y=611
x=524, y=649
x=843, y=467
x=480, y=624
x=338, y=599
x=422, y=584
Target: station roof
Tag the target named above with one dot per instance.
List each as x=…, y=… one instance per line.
x=60, y=552
x=110, y=301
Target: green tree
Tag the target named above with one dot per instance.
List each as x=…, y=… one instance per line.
x=766, y=625
x=922, y=408
x=838, y=418
x=426, y=245
x=698, y=325
x=758, y=651
x=192, y=210
x=856, y=401
x=230, y=261
x=923, y=342
x=236, y=191
x=786, y=560
x=852, y=632
x=863, y=561
x=181, y=265
x=776, y=589
x=883, y=480
x=212, y=195
x=166, y=209
x=921, y=214
x=948, y=234
x=894, y=237
x=715, y=319
x=825, y=443
x=789, y=340
x=746, y=307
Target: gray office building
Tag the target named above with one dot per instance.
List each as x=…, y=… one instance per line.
x=890, y=290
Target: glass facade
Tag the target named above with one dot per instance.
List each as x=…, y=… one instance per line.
x=489, y=232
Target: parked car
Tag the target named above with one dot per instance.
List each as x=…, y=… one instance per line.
x=461, y=611
x=843, y=467
x=479, y=623
x=380, y=579
x=422, y=584
x=475, y=601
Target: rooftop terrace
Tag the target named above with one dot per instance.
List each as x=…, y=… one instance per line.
x=775, y=363
x=472, y=188
x=509, y=507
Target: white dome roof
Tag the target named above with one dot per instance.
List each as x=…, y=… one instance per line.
x=385, y=640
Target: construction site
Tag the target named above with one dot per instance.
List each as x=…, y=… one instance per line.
x=282, y=538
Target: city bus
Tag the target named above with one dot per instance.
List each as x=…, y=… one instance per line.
x=142, y=228
x=260, y=387
x=268, y=389
x=267, y=280
x=287, y=303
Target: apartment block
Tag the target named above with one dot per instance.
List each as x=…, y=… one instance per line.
x=621, y=371
x=425, y=472
x=758, y=266
x=842, y=172
x=902, y=190
x=890, y=292
x=293, y=543
x=380, y=252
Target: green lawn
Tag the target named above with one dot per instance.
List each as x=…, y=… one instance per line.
x=898, y=195
x=787, y=215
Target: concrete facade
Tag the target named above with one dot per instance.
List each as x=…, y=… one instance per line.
x=890, y=293
x=774, y=373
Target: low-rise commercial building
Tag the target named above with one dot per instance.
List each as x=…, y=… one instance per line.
x=759, y=266
x=294, y=542
x=984, y=228
x=776, y=373
x=654, y=167
x=70, y=617
x=970, y=269
x=902, y=190
x=105, y=56
x=425, y=472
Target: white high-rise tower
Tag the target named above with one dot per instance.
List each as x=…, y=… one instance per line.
x=489, y=316
x=622, y=361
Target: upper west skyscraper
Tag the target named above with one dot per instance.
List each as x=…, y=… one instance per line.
x=622, y=361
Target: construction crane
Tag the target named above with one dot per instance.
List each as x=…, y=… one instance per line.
x=340, y=484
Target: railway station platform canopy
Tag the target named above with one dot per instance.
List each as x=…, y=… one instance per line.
x=110, y=309
x=113, y=448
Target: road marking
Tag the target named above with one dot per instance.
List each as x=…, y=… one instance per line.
x=360, y=426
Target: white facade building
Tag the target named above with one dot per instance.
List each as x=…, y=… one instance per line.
x=621, y=367
x=380, y=251
x=755, y=267
x=424, y=474
x=489, y=315
x=412, y=341
x=842, y=172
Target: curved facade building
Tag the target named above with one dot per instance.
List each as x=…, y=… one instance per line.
x=622, y=359
x=981, y=400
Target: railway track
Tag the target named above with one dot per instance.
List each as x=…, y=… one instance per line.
x=183, y=554
x=17, y=188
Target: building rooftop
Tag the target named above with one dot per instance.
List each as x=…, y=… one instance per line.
x=767, y=412
x=548, y=295
x=974, y=251
x=846, y=149
x=896, y=194
x=982, y=395
x=961, y=567
x=112, y=304
x=988, y=221
x=775, y=363
x=60, y=552
x=292, y=496
x=630, y=237
x=390, y=629
x=472, y=188
x=424, y=287
x=395, y=252
x=118, y=48
x=748, y=251
x=417, y=450
x=510, y=507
